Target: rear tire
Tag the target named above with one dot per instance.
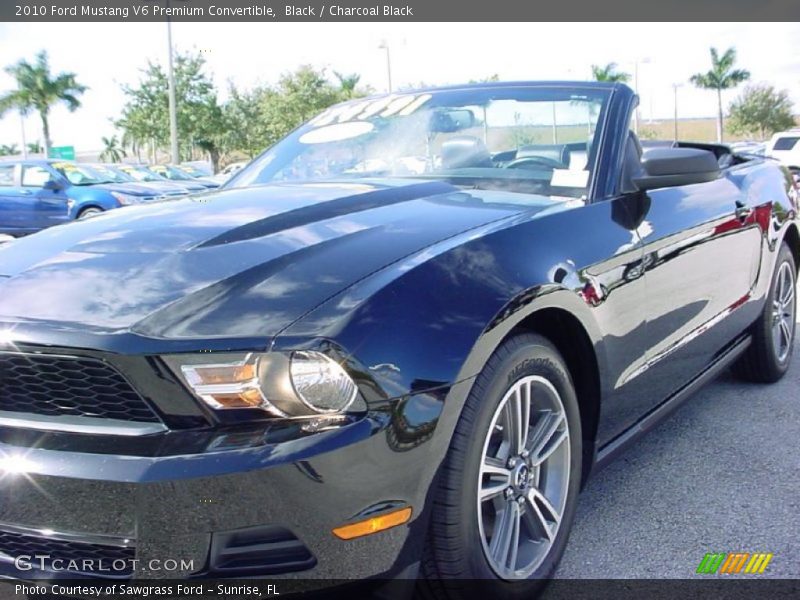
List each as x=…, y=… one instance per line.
x=507, y=492
x=768, y=357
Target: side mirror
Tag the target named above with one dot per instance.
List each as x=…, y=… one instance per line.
x=52, y=185
x=670, y=167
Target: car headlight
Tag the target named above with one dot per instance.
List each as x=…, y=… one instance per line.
x=125, y=199
x=295, y=384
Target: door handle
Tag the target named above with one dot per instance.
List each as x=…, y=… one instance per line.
x=742, y=211
x=25, y=192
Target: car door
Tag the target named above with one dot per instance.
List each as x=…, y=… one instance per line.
x=702, y=252
x=46, y=206
x=10, y=200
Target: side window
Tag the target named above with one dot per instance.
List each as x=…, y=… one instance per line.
x=6, y=175
x=35, y=176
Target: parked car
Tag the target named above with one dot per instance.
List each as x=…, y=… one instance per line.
x=229, y=171
x=754, y=148
x=784, y=147
x=36, y=194
x=114, y=173
x=395, y=344
x=203, y=168
x=144, y=174
x=182, y=174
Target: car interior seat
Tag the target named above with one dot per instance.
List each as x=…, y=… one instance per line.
x=465, y=151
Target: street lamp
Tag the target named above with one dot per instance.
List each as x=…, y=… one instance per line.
x=22, y=130
x=636, y=63
x=173, y=110
x=675, y=87
x=385, y=46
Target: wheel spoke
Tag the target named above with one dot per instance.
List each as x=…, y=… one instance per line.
x=517, y=417
x=542, y=515
x=787, y=300
x=546, y=436
x=495, y=478
x=505, y=540
x=786, y=332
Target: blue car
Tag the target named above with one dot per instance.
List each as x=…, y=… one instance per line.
x=36, y=194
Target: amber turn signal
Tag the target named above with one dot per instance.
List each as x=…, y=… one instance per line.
x=373, y=525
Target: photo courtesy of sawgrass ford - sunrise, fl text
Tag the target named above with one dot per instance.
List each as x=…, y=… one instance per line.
x=431, y=300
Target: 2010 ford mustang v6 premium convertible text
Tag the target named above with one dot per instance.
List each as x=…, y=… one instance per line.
x=397, y=343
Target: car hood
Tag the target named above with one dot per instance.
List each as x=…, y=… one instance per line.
x=239, y=262
x=131, y=189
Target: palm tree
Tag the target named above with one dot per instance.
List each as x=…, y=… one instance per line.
x=34, y=148
x=609, y=73
x=347, y=84
x=722, y=76
x=38, y=89
x=112, y=151
x=8, y=150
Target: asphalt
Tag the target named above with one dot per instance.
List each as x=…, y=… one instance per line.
x=722, y=474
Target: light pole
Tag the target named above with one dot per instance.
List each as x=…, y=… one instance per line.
x=675, y=87
x=173, y=110
x=643, y=61
x=385, y=46
x=22, y=130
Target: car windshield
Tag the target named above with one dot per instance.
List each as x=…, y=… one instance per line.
x=191, y=171
x=141, y=173
x=112, y=175
x=80, y=174
x=529, y=139
x=172, y=173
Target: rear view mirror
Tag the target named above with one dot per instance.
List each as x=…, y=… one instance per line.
x=452, y=120
x=670, y=167
x=52, y=185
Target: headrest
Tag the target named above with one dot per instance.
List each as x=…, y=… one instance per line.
x=465, y=151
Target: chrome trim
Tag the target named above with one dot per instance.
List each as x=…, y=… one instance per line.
x=71, y=424
x=96, y=539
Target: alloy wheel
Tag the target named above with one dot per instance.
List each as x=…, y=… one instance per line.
x=783, y=312
x=524, y=478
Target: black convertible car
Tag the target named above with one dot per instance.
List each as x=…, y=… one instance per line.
x=395, y=345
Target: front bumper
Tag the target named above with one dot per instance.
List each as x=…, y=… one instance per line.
x=172, y=511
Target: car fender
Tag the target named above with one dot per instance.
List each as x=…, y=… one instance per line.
x=86, y=197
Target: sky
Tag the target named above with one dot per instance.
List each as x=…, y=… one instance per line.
x=106, y=55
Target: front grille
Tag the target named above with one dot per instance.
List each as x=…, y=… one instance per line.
x=106, y=560
x=56, y=386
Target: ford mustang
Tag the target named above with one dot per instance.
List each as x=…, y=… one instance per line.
x=394, y=345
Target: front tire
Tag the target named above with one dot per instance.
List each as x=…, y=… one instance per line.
x=87, y=213
x=768, y=357
x=508, y=488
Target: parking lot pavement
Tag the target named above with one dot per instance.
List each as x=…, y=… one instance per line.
x=721, y=475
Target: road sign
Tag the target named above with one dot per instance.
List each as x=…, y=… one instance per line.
x=65, y=152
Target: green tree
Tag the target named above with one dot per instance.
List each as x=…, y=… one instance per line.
x=348, y=85
x=609, y=73
x=722, y=76
x=297, y=97
x=760, y=111
x=245, y=130
x=35, y=148
x=38, y=89
x=8, y=150
x=112, y=151
x=145, y=116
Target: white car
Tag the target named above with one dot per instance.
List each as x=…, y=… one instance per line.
x=785, y=147
x=229, y=171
